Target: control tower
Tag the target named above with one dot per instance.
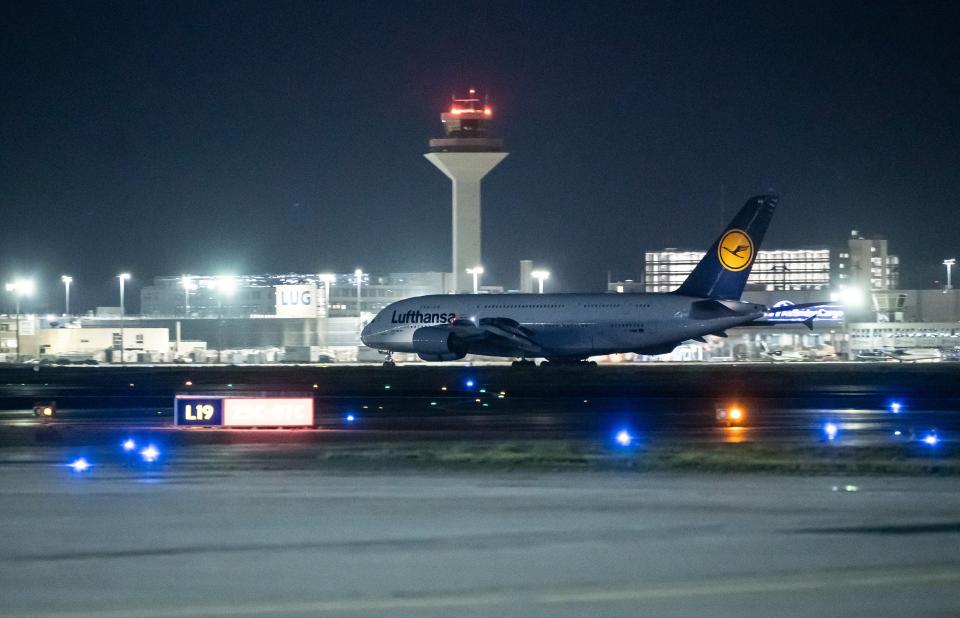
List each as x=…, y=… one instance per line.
x=466, y=154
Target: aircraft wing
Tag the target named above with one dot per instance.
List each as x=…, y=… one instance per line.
x=508, y=331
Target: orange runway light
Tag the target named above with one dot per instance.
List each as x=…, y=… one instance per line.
x=731, y=415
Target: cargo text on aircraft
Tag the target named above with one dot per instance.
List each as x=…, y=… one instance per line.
x=419, y=317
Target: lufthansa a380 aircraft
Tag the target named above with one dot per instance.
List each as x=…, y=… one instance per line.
x=569, y=328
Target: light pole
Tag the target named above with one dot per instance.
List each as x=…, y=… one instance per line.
x=123, y=277
x=540, y=276
x=949, y=264
x=476, y=271
x=358, y=274
x=850, y=298
x=328, y=280
x=224, y=286
x=67, y=280
x=20, y=288
x=188, y=286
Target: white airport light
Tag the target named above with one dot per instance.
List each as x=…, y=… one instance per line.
x=540, y=276
x=79, y=465
x=66, y=280
x=949, y=264
x=225, y=285
x=476, y=271
x=21, y=288
x=852, y=297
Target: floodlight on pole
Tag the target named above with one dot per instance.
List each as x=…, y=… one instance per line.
x=188, y=286
x=949, y=264
x=328, y=280
x=358, y=275
x=540, y=276
x=123, y=278
x=20, y=288
x=476, y=271
x=224, y=285
x=67, y=280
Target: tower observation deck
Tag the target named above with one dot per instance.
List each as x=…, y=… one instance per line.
x=466, y=153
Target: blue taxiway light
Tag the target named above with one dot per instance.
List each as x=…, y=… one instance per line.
x=79, y=465
x=150, y=454
x=470, y=383
x=895, y=407
x=624, y=438
x=931, y=439
x=830, y=430
x=128, y=445
x=350, y=418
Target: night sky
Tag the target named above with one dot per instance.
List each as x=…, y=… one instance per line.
x=240, y=137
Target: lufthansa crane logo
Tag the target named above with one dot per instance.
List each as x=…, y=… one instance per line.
x=735, y=250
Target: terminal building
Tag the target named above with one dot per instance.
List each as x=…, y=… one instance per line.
x=864, y=264
x=283, y=295
x=777, y=269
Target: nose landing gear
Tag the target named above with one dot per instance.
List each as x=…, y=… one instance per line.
x=388, y=360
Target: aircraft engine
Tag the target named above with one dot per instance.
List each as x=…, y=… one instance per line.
x=438, y=343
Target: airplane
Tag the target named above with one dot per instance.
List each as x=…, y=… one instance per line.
x=570, y=328
x=785, y=356
x=902, y=355
x=795, y=356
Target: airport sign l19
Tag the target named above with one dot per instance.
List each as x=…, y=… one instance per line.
x=230, y=411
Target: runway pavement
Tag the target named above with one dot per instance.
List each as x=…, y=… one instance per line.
x=281, y=523
x=205, y=538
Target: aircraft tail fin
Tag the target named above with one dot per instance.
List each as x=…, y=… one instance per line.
x=723, y=271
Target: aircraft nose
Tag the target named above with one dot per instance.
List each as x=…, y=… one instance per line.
x=366, y=335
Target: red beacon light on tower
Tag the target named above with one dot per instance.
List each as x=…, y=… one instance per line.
x=470, y=105
x=467, y=125
x=467, y=116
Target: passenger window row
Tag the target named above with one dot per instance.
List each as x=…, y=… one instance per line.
x=544, y=306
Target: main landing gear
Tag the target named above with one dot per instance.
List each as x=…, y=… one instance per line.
x=568, y=362
x=555, y=362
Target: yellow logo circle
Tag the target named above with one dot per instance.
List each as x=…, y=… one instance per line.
x=735, y=250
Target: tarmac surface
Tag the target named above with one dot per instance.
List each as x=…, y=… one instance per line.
x=783, y=401
x=208, y=539
x=259, y=522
